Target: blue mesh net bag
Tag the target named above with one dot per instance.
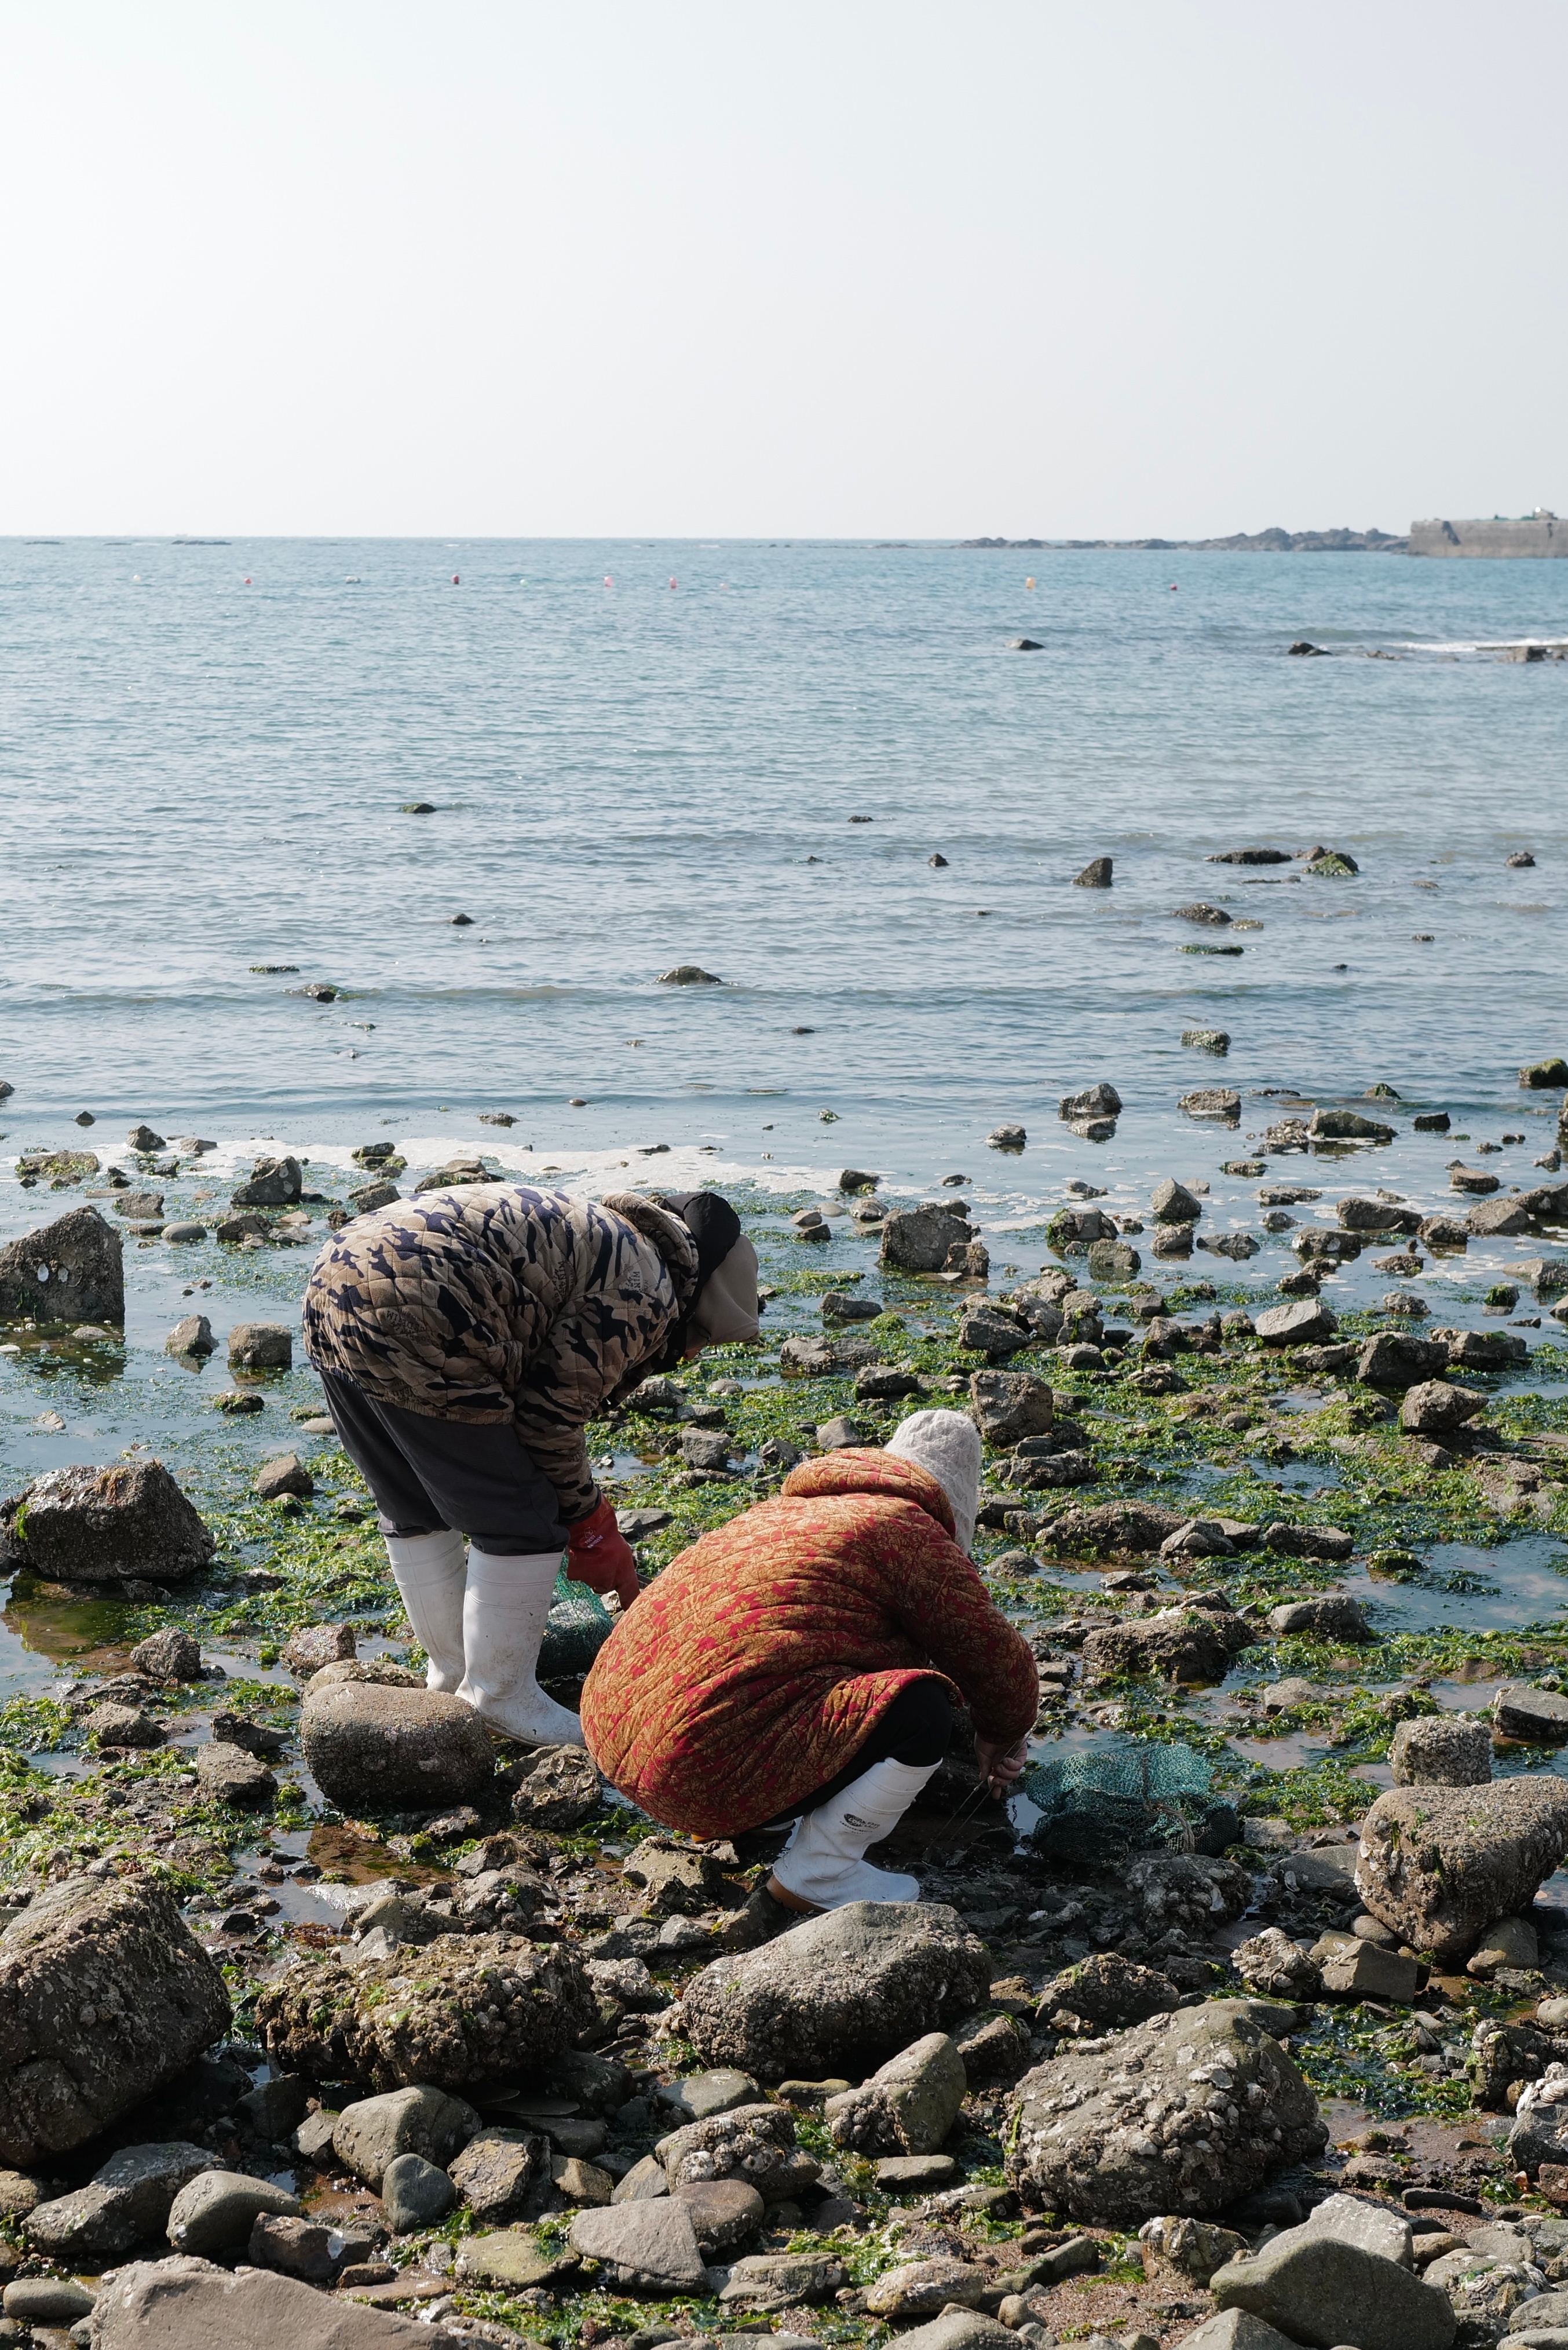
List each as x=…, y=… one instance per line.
x=579, y=1624
x=1099, y=1803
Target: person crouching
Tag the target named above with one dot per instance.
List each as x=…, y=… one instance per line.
x=803, y=1661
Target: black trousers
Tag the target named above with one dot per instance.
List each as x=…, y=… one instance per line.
x=915, y=1730
x=426, y=1473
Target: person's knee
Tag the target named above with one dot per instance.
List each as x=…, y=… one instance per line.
x=920, y=1723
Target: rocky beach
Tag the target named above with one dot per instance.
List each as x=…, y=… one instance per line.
x=322, y=2009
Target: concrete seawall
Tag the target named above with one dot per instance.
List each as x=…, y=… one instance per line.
x=1532, y=534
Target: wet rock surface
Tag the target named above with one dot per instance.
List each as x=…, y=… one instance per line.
x=372, y=1746
x=104, y=1526
x=1438, y=1864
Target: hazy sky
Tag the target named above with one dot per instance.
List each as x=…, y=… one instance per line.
x=495, y=266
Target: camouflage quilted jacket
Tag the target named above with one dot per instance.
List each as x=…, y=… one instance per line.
x=495, y=1302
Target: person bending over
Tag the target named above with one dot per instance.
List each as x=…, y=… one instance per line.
x=804, y=1661
x=464, y=1339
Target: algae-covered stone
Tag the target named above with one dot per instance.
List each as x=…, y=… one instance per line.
x=847, y=1989
x=1215, y=2108
x=462, y=2012
x=105, y=1995
x=1437, y=1865
x=100, y=1525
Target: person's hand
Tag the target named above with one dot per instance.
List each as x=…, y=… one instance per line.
x=1001, y=1764
x=599, y=1555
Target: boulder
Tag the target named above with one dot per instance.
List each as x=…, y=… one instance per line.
x=416, y=2193
x=284, y=1475
x=992, y=2048
x=184, y=2303
x=917, y=1239
x=1392, y=1359
x=105, y=1995
x=228, y=1774
x=1135, y=1527
x=1172, y=1203
x=919, y=2288
x=756, y=2143
x=768, y=2281
x=724, y=2212
x=72, y=1269
x=1273, y=1965
x=481, y=2007
x=1094, y=1101
x=316, y=1646
x=1325, y=2291
x=123, y=1725
x=1185, y=1645
x=1218, y=2108
x=908, y=2105
x=966, y=2329
x=1439, y=1750
x=193, y=1334
x=104, y=1525
x=645, y=2247
x=1437, y=1408
x=219, y=2207
x=171, y=1654
x=312, y=2253
x=1376, y=1216
x=1356, y=1969
x=44, y=2301
x=372, y=2132
x=273, y=1183
x=125, y=2200
x=513, y=2258
x=1538, y=1717
x=990, y=1330
x=375, y=1749
x=1484, y=1350
x=1437, y=1865
x=843, y=1990
x=1108, y=1990
x=1007, y=1406
x=261, y=1346
x=497, y=2170
x=559, y=1789
x=1185, y=2252
x=1334, y=1618
x=1212, y=1101
x=1305, y=1322
x=1079, y=1228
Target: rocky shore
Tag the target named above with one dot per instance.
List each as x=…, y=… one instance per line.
x=324, y=2016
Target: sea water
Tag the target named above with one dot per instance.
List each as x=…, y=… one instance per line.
x=747, y=756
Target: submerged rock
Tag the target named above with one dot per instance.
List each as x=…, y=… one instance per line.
x=105, y=1995
x=846, y=1989
x=103, y=1526
x=1179, y=2115
x=917, y=1239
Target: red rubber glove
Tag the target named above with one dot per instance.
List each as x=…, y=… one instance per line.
x=599, y=1555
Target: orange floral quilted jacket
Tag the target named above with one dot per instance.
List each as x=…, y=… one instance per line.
x=752, y=1669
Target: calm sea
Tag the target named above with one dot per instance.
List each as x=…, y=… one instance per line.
x=204, y=749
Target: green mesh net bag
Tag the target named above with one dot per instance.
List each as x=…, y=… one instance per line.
x=1100, y=1802
x=579, y=1624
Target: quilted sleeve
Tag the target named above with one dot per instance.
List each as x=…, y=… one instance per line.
x=943, y=1605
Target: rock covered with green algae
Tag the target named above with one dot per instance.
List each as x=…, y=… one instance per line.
x=1179, y=2115
x=463, y=2011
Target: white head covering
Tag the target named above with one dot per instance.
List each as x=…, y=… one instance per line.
x=726, y=1308
x=947, y=1444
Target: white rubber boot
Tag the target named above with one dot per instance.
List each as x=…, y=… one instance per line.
x=824, y=1865
x=428, y=1571
x=504, y=1610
